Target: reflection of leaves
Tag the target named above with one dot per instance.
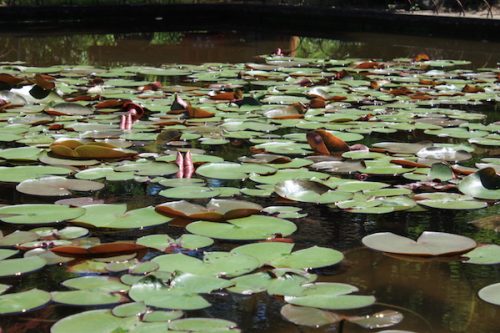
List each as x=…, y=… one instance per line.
x=323, y=48
x=166, y=38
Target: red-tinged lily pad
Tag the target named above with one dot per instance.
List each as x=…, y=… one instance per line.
x=101, y=250
x=56, y=186
x=428, y=244
x=326, y=143
x=216, y=209
x=24, y=301
x=89, y=150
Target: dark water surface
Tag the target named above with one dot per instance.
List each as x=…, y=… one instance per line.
x=438, y=296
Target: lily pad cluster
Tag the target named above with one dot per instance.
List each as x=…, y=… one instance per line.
x=208, y=144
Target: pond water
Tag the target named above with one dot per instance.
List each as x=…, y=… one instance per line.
x=433, y=294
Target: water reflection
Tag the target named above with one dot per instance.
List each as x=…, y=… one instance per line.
x=229, y=46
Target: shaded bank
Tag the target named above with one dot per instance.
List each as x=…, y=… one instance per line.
x=311, y=21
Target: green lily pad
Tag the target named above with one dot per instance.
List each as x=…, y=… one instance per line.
x=129, y=310
x=483, y=184
x=56, y=186
x=11, y=267
x=21, y=154
x=164, y=241
x=24, y=301
x=85, y=297
x=214, y=263
x=309, y=316
x=251, y=283
x=428, y=244
x=190, y=192
x=309, y=191
x=96, y=321
x=484, y=255
x=39, y=213
x=98, y=283
x=202, y=325
x=490, y=294
x=162, y=316
x=287, y=174
x=232, y=170
x=19, y=173
x=247, y=228
x=4, y=253
x=115, y=216
x=107, y=173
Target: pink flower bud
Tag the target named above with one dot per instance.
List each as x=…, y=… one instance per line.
x=188, y=165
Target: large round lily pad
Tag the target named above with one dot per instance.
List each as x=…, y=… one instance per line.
x=56, y=186
x=246, y=228
x=216, y=209
x=39, y=213
x=19, y=173
x=430, y=243
x=330, y=296
x=10, y=267
x=115, y=216
x=24, y=301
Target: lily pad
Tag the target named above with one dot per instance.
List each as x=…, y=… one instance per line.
x=232, y=170
x=11, y=267
x=430, y=243
x=19, y=173
x=56, y=186
x=330, y=296
x=115, y=216
x=216, y=209
x=38, y=213
x=186, y=241
x=483, y=184
x=24, y=301
x=305, y=316
x=490, y=294
x=484, y=255
x=247, y=228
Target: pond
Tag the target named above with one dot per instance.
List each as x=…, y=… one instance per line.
x=285, y=134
